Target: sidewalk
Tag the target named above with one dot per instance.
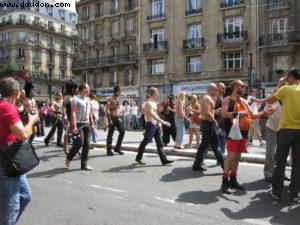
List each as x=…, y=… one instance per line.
x=132, y=140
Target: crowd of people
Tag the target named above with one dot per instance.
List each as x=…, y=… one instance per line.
x=223, y=122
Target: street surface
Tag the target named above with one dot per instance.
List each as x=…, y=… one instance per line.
x=118, y=192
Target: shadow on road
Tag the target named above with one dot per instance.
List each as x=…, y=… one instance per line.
x=129, y=169
x=50, y=173
x=202, y=197
x=262, y=206
x=185, y=173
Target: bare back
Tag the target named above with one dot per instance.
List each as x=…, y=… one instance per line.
x=207, y=107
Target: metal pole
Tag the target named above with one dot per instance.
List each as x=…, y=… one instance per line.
x=50, y=84
x=250, y=71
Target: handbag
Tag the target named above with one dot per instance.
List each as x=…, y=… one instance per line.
x=235, y=132
x=17, y=158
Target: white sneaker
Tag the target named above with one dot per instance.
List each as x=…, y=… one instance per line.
x=67, y=163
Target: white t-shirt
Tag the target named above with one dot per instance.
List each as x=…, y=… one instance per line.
x=134, y=110
x=95, y=109
x=253, y=106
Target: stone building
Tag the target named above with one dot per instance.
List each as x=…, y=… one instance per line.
x=40, y=40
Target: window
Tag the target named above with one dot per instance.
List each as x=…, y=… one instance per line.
x=50, y=11
x=233, y=60
x=62, y=29
x=21, y=53
x=36, y=70
x=37, y=19
x=229, y=3
x=63, y=45
x=21, y=36
x=279, y=29
x=233, y=27
x=129, y=25
x=50, y=42
x=37, y=55
x=99, y=10
x=37, y=38
x=22, y=18
x=114, y=51
x=194, y=64
x=86, y=34
x=194, y=31
x=130, y=4
x=128, y=78
x=85, y=12
x=115, y=28
x=157, y=35
x=99, y=31
x=113, y=78
x=157, y=67
x=62, y=14
x=194, y=5
x=63, y=74
x=50, y=25
x=130, y=48
x=115, y=5
x=63, y=60
x=281, y=63
x=157, y=7
x=51, y=58
x=73, y=18
x=98, y=55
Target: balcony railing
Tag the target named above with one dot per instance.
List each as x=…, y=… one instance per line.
x=159, y=16
x=231, y=3
x=155, y=78
x=197, y=43
x=161, y=46
x=193, y=11
x=105, y=61
x=21, y=57
x=98, y=14
x=231, y=73
x=85, y=18
x=129, y=33
x=21, y=40
x=233, y=37
x=279, y=4
x=279, y=38
x=115, y=34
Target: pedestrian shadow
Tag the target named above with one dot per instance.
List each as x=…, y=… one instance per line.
x=257, y=185
x=202, y=197
x=133, y=168
x=262, y=206
x=185, y=173
x=47, y=158
x=50, y=173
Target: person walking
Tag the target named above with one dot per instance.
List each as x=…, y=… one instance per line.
x=57, y=113
x=234, y=106
x=46, y=112
x=114, y=121
x=15, y=193
x=208, y=129
x=95, y=110
x=180, y=116
x=195, y=110
x=169, y=116
x=81, y=124
x=153, y=130
x=134, y=116
x=288, y=94
x=126, y=111
x=255, y=128
x=71, y=88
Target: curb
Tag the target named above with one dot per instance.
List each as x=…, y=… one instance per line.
x=250, y=158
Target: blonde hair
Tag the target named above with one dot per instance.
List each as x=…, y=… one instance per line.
x=194, y=101
x=181, y=96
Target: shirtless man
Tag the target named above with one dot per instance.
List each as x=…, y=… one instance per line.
x=209, y=130
x=153, y=129
x=114, y=121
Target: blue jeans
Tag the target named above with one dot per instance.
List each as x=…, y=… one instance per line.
x=94, y=132
x=179, y=122
x=15, y=195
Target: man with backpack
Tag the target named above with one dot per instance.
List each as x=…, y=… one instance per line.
x=235, y=106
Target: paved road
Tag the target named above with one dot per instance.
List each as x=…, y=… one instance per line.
x=118, y=192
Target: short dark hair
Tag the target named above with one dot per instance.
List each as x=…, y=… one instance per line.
x=295, y=73
x=82, y=86
x=152, y=91
x=71, y=87
x=117, y=88
x=8, y=87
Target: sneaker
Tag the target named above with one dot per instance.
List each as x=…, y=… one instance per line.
x=276, y=197
x=140, y=162
x=234, y=184
x=225, y=186
x=110, y=153
x=87, y=168
x=198, y=168
x=119, y=152
x=67, y=163
x=167, y=162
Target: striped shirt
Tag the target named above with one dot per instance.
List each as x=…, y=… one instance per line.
x=83, y=108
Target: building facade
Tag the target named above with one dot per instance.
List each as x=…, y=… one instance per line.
x=109, y=46
x=41, y=41
x=190, y=43
x=279, y=42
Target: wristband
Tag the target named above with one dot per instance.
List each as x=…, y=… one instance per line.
x=235, y=114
